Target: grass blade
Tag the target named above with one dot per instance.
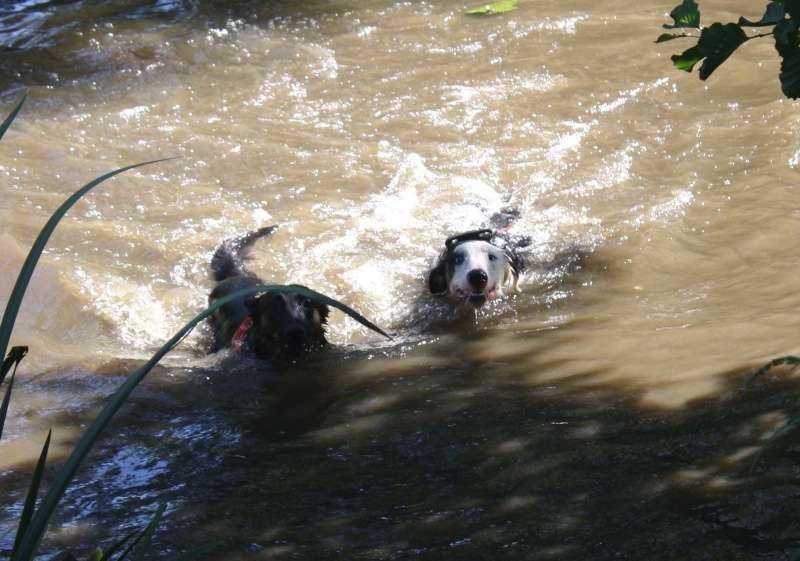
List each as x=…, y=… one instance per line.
x=111, y=551
x=33, y=492
x=6, y=401
x=30, y=542
x=139, y=536
x=149, y=531
x=12, y=116
x=14, y=301
x=327, y=300
x=13, y=358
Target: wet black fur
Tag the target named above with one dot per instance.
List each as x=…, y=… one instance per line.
x=439, y=277
x=284, y=324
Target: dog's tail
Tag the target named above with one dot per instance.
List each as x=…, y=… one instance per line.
x=229, y=259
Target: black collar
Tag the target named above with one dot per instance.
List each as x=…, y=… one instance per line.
x=488, y=236
x=473, y=236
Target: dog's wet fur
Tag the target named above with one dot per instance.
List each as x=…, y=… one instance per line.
x=282, y=324
x=476, y=267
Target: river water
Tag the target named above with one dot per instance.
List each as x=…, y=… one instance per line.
x=604, y=412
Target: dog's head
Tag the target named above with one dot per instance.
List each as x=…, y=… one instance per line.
x=473, y=268
x=285, y=324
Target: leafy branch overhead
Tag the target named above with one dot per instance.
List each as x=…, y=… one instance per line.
x=718, y=41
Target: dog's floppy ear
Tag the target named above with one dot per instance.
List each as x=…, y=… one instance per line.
x=324, y=311
x=514, y=267
x=437, y=277
x=251, y=303
x=511, y=278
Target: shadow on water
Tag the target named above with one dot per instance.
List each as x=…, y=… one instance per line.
x=486, y=468
x=410, y=451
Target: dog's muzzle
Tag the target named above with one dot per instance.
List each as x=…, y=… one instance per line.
x=293, y=340
x=477, y=279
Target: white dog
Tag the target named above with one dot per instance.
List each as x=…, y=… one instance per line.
x=475, y=267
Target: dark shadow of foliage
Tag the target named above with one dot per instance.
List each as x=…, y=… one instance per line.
x=340, y=456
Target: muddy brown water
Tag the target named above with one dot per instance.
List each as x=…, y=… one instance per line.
x=602, y=413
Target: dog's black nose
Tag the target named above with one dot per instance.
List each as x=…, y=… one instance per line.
x=477, y=279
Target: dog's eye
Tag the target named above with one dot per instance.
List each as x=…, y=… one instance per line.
x=492, y=257
x=458, y=260
x=307, y=303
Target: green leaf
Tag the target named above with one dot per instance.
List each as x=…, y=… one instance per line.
x=495, y=8
x=790, y=74
x=775, y=12
x=785, y=34
x=96, y=555
x=792, y=8
x=664, y=37
x=787, y=45
x=685, y=15
x=717, y=42
x=687, y=59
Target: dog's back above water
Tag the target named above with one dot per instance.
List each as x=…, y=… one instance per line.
x=268, y=325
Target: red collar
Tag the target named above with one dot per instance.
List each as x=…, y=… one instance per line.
x=238, y=340
x=506, y=228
